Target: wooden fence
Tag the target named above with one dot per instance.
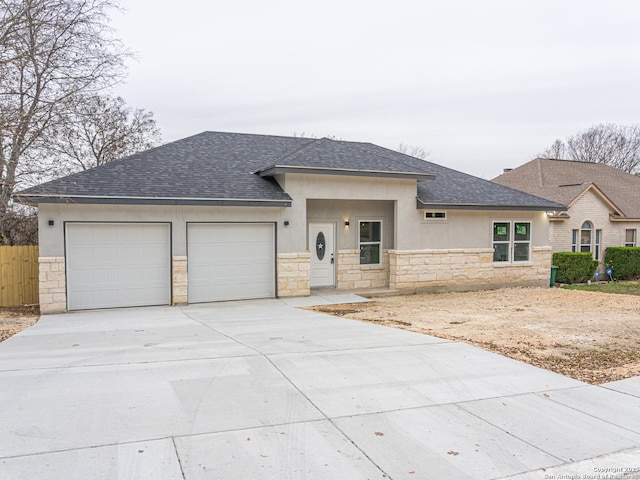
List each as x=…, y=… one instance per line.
x=18, y=275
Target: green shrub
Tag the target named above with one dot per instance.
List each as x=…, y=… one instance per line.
x=574, y=267
x=625, y=262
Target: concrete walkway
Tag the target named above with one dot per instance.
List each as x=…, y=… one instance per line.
x=261, y=389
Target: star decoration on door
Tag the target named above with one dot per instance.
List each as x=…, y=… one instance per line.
x=320, y=243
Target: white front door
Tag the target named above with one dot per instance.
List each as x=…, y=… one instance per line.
x=321, y=246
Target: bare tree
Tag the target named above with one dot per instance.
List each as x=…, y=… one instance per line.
x=21, y=227
x=615, y=145
x=557, y=150
x=413, y=150
x=100, y=129
x=52, y=52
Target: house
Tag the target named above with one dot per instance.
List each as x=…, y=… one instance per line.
x=226, y=216
x=603, y=203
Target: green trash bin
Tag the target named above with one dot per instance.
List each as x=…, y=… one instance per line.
x=552, y=280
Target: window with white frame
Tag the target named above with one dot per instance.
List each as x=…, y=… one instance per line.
x=598, y=243
x=574, y=240
x=630, y=237
x=521, y=241
x=501, y=241
x=585, y=237
x=511, y=241
x=370, y=242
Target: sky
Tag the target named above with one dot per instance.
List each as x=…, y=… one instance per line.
x=480, y=85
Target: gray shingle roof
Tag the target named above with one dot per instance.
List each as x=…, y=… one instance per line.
x=454, y=189
x=329, y=156
x=564, y=180
x=208, y=166
x=226, y=169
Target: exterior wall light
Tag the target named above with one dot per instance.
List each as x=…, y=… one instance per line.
x=346, y=223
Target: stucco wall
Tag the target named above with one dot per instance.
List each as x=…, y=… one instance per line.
x=337, y=211
x=474, y=229
x=52, y=237
x=303, y=189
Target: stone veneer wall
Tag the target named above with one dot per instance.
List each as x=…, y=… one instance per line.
x=464, y=269
x=293, y=274
x=351, y=275
x=52, y=284
x=180, y=280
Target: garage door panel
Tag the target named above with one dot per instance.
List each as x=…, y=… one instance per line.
x=130, y=277
x=111, y=265
x=83, y=254
x=231, y=261
x=152, y=252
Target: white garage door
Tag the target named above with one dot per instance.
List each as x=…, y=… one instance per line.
x=118, y=264
x=230, y=261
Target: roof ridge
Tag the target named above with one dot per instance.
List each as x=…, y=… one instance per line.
x=541, y=172
x=375, y=151
x=293, y=153
x=360, y=146
x=563, y=160
x=219, y=132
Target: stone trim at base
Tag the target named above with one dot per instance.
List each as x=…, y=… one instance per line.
x=180, y=280
x=293, y=274
x=351, y=275
x=402, y=270
x=464, y=269
x=52, y=285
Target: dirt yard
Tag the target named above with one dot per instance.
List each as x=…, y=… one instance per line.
x=14, y=320
x=589, y=336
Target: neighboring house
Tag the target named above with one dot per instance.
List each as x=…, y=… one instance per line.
x=603, y=203
x=225, y=216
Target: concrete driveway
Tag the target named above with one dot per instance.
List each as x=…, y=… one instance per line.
x=261, y=389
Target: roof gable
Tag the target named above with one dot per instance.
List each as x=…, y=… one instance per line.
x=600, y=195
x=565, y=180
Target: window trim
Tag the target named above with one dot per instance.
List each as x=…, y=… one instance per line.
x=598, y=243
x=379, y=243
x=575, y=233
x=633, y=243
x=501, y=242
x=437, y=216
x=512, y=241
x=590, y=244
x=528, y=242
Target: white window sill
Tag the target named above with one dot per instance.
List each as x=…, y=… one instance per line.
x=512, y=264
